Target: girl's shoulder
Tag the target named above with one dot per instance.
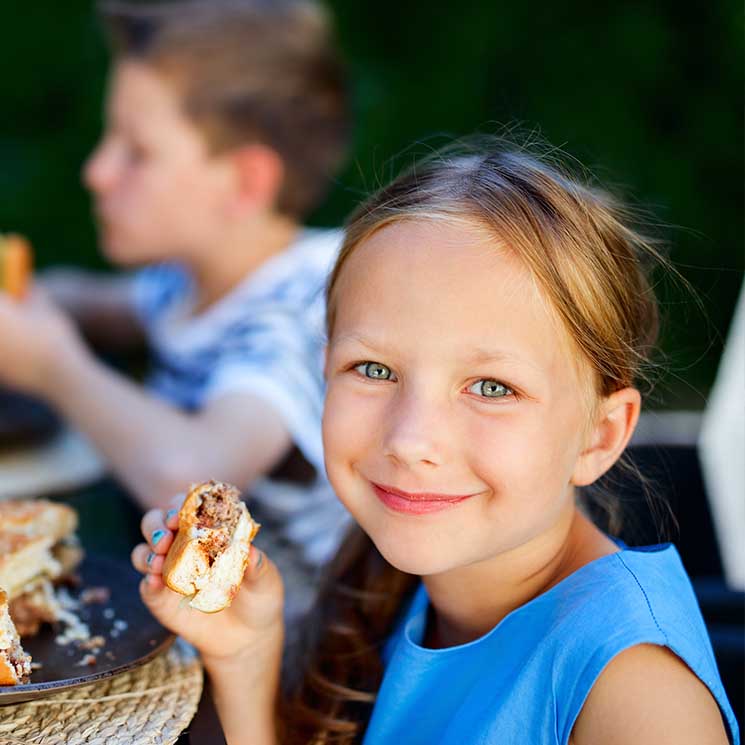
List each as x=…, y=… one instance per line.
x=647, y=694
x=634, y=633
x=652, y=574
x=633, y=596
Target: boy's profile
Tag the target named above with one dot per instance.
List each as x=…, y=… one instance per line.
x=225, y=122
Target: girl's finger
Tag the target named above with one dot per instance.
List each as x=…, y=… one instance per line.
x=150, y=584
x=261, y=596
x=260, y=569
x=139, y=557
x=171, y=518
x=256, y=562
x=150, y=520
x=146, y=561
x=155, y=531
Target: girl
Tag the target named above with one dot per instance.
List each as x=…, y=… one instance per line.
x=487, y=320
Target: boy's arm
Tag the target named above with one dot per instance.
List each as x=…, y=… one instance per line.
x=101, y=304
x=154, y=448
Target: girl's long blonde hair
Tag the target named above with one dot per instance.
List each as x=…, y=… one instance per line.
x=589, y=264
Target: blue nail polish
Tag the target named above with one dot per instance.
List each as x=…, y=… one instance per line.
x=150, y=558
x=171, y=513
x=157, y=535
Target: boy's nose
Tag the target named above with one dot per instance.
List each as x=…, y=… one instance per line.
x=415, y=434
x=99, y=170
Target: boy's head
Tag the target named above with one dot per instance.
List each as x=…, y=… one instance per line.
x=210, y=97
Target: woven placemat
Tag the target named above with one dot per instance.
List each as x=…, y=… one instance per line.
x=149, y=705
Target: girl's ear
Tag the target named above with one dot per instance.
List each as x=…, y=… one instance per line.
x=616, y=420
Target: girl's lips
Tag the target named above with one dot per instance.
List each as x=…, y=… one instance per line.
x=416, y=504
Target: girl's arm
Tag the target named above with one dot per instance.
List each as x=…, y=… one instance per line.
x=154, y=448
x=241, y=646
x=257, y=672
x=101, y=304
x=648, y=696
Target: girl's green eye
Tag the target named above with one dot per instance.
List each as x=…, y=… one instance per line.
x=375, y=371
x=489, y=389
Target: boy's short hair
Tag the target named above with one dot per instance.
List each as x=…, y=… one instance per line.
x=249, y=71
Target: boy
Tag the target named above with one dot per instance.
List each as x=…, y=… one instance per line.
x=225, y=122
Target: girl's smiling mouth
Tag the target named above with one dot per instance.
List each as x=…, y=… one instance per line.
x=416, y=504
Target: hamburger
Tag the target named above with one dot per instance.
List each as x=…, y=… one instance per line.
x=15, y=664
x=15, y=264
x=38, y=548
x=209, y=556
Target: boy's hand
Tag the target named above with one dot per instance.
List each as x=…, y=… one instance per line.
x=251, y=629
x=34, y=335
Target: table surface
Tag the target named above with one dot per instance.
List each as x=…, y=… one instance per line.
x=66, y=462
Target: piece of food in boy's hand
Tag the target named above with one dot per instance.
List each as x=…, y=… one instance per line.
x=210, y=552
x=15, y=265
x=15, y=664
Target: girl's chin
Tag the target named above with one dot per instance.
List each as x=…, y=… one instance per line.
x=422, y=562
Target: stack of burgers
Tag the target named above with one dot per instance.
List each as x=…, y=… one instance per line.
x=38, y=552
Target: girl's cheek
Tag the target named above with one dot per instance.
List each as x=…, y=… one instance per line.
x=349, y=424
x=338, y=424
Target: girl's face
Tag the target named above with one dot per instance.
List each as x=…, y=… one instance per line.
x=456, y=410
x=157, y=190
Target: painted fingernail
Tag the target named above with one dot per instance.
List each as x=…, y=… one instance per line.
x=150, y=558
x=157, y=535
x=171, y=513
x=260, y=560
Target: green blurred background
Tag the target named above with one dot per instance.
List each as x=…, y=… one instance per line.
x=649, y=95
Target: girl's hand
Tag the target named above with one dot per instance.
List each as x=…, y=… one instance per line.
x=251, y=628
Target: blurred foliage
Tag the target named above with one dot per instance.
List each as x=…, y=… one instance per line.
x=647, y=94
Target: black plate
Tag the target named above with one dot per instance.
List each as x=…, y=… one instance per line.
x=125, y=648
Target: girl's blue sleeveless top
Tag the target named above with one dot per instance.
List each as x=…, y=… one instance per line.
x=527, y=679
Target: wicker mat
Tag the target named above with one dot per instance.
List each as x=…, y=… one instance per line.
x=149, y=705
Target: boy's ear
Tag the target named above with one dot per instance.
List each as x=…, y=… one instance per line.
x=258, y=172
x=615, y=423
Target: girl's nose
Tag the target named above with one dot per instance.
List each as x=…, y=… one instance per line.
x=415, y=435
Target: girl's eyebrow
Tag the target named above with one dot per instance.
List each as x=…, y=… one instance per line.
x=477, y=357
x=480, y=355
x=354, y=338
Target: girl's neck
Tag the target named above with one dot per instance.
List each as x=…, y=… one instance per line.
x=468, y=602
x=238, y=254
